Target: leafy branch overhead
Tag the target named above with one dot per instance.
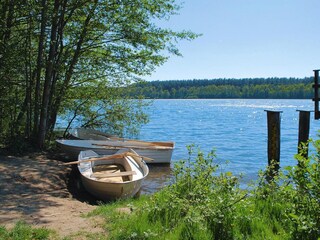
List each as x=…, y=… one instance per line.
x=55, y=51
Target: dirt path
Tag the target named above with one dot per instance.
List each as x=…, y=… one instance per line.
x=43, y=193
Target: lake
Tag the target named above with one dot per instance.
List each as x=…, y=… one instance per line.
x=235, y=128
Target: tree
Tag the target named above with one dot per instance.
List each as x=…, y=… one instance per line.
x=60, y=56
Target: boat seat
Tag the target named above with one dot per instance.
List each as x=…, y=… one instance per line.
x=117, y=174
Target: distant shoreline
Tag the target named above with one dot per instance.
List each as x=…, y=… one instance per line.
x=258, y=88
x=227, y=98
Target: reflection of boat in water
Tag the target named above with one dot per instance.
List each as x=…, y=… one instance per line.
x=160, y=152
x=113, y=176
x=89, y=134
x=160, y=176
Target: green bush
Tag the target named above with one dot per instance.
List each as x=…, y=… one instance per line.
x=293, y=197
x=304, y=195
x=204, y=201
x=200, y=200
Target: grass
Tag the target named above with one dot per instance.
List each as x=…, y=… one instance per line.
x=205, y=204
x=253, y=219
x=130, y=219
x=24, y=231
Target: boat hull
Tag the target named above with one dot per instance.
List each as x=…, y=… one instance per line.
x=73, y=147
x=107, y=191
x=111, y=191
x=89, y=134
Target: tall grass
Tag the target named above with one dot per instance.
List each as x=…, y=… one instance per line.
x=205, y=203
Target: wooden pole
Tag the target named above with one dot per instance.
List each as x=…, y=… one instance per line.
x=273, y=120
x=316, y=94
x=304, y=129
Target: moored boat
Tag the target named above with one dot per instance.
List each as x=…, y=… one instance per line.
x=113, y=176
x=89, y=134
x=161, y=152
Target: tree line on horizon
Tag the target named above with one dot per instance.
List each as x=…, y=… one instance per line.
x=278, y=88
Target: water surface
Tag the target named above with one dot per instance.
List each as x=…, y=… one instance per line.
x=235, y=128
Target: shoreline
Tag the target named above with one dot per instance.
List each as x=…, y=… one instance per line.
x=37, y=190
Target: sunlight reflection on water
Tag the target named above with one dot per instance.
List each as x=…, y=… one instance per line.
x=236, y=128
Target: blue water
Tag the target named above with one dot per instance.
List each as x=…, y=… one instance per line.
x=235, y=128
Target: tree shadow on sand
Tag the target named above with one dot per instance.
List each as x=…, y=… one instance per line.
x=28, y=185
x=73, y=181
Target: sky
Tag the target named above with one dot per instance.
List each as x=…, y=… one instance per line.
x=245, y=39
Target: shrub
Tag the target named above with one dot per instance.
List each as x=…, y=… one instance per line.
x=205, y=202
x=294, y=196
x=200, y=202
x=304, y=195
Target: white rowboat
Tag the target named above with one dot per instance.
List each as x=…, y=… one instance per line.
x=160, y=152
x=89, y=134
x=114, y=177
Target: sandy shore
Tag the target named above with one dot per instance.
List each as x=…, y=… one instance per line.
x=43, y=193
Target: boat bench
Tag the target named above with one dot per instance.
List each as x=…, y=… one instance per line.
x=117, y=174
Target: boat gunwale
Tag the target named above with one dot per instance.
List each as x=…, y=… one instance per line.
x=145, y=174
x=104, y=144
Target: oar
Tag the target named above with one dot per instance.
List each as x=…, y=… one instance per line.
x=136, y=155
x=158, y=144
x=109, y=146
x=115, y=156
x=96, y=159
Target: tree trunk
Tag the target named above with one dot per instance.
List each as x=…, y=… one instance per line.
x=48, y=78
x=25, y=110
x=39, y=67
x=29, y=79
x=70, y=70
x=53, y=112
x=6, y=23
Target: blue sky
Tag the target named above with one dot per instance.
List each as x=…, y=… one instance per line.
x=245, y=39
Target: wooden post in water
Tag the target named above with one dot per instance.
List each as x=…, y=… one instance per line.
x=316, y=94
x=273, y=120
x=304, y=129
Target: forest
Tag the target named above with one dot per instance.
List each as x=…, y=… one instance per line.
x=258, y=88
x=57, y=57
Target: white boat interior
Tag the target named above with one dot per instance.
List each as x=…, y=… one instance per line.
x=116, y=170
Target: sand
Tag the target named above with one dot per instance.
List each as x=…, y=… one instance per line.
x=43, y=193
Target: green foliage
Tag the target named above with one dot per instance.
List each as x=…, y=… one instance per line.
x=200, y=199
x=199, y=204
x=204, y=203
x=18, y=146
x=293, y=196
x=61, y=57
x=304, y=194
x=106, y=108
x=23, y=231
x=282, y=88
